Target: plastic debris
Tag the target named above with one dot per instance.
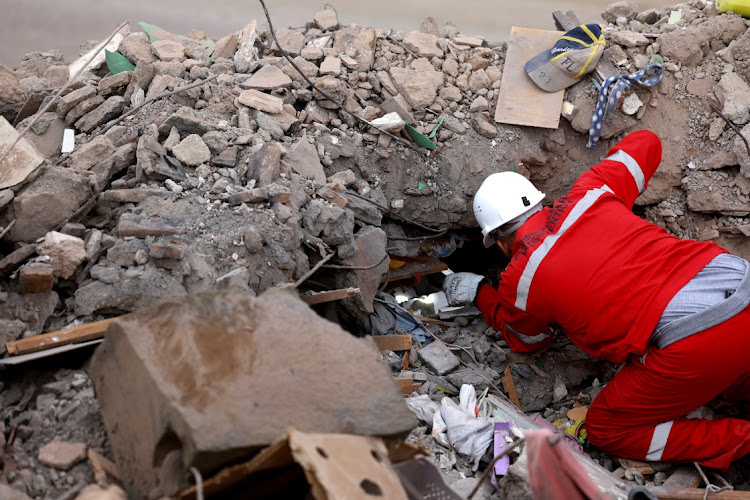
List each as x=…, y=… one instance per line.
x=117, y=63
x=390, y=122
x=68, y=142
x=675, y=17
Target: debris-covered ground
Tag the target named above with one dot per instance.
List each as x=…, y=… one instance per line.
x=251, y=179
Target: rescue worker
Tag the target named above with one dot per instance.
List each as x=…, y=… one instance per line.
x=673, y=312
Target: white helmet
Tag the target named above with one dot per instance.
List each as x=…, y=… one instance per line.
x=505, y=197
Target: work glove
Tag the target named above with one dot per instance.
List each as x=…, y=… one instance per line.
x=461, y=288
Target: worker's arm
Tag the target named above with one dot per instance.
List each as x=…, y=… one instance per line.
x=522, y=332
x=628, y=167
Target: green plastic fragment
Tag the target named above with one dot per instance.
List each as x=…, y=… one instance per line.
x=675, y=16
x=419, y=138
x=434, y=131
x=117, y=63
x=421, y=186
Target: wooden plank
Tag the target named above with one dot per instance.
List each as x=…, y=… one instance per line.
x=520, y=101
x=81, y=333
x=329, y=296
x=429, y=265
x=24, y=358
x=510, y=388
x=393, y=342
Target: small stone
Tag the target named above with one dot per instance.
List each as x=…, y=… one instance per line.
x=631, y=104
x=560, y=392
x=484, y=128
x=66, y=251
x=111, y=108
x=291, y=41
x=268, y=77
x=479, y=104
x=625, y=9
x=331, y=65
x=114, y=83
x=423, y=44
x=62, y=455
x=438, y=358
x=169, y=50
x=327, y=20
x=192, y=151
x=68, y=101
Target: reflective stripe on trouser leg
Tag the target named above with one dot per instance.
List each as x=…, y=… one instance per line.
x=623, y=419
x=659, y=441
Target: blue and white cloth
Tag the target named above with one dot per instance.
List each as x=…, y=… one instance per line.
x=610, y=93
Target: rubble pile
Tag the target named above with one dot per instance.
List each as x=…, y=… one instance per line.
x=252, y=179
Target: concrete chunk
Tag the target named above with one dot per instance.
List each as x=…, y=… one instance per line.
x=268, y=77
x=303, y=159
x=192, y=151
x=21, y=161
x=234, y=354
x=370, y=245
x=12, y=97
x=109, y=109
x=438, y=358
x=169, y=50
x=68, y=101
x=326, y=20
x=359, y=40
x=419, y=83
x=423, y=44
x=291, y=41
x=262, y=101
x=66, y=251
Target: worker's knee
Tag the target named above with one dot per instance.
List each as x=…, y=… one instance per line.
x=610, y=434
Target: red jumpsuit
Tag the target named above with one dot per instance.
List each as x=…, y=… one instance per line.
x=604, y=276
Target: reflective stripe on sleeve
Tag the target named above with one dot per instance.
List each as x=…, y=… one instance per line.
x=527, y=339
x=632, y=166
x=659, y=441
x=524, y=284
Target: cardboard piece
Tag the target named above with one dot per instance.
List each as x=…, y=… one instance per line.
x=330, y=466
x=520, y=101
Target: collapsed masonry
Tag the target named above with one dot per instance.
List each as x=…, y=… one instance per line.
x=247, y=181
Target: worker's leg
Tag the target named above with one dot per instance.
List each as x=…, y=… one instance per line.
x=739, y=391
x=640, y=413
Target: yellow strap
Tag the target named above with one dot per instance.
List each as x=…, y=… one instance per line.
x=591, y=57
x=594, y=45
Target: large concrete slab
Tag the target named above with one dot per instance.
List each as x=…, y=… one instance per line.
x=205, y=380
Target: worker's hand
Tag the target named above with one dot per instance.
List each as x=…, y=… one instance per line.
x=461, y=288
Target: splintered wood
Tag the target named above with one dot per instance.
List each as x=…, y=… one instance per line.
x=82, y=333
x=510, y=387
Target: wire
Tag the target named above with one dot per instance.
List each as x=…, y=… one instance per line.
x=356, y=268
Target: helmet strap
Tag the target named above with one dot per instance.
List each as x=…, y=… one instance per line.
x=518, y=221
